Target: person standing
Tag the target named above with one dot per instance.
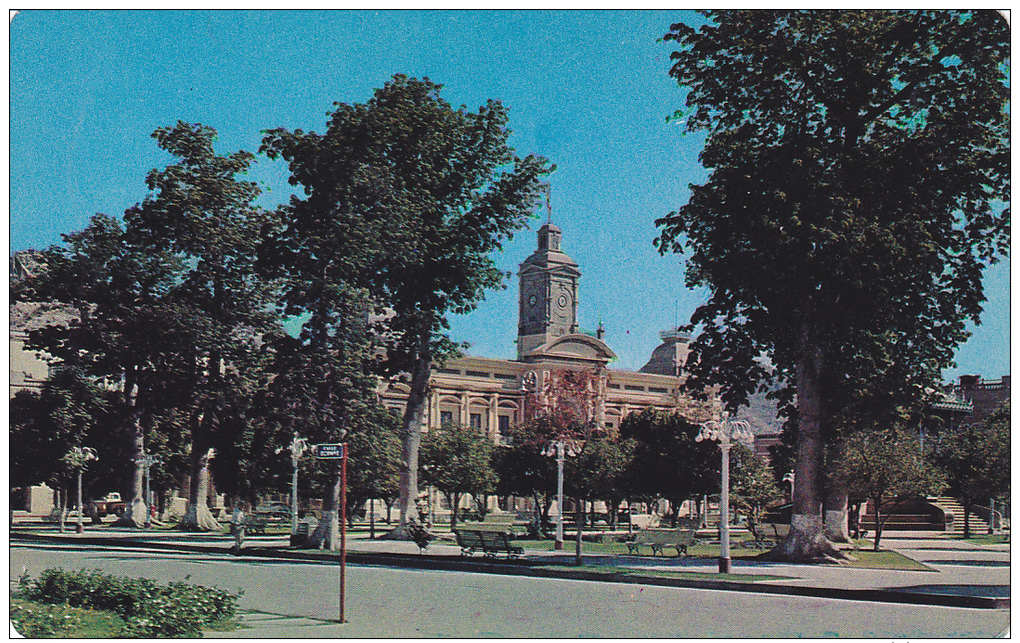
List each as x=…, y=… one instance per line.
x=237, y=526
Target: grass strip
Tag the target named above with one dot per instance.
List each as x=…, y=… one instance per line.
x=40, y=620
x=627, y=573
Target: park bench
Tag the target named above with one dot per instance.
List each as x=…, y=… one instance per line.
x=507, y=522
x=489, y=542
x=658, y=539
x=255, y=525
x=767, y=534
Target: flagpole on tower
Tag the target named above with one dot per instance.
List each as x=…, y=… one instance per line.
x=548, y=201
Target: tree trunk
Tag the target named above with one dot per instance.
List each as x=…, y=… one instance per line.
x=62, y=507
x=371, y=519
x=579, y=519
x=411, y=440
x=136, y=512
x=966, y=502
x=327, y=533
x=837, y=527
x=807, y=540
x=878, y=523
x=197, y=516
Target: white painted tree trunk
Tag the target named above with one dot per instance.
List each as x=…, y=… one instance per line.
x=197, y=516
x=327, y=533
x=837, y=527
x=136, y=511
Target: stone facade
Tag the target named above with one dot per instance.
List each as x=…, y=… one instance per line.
x=984, y=396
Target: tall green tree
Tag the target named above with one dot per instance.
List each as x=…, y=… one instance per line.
x=118, y=328
x=858, y=161
x=406, y=196
x=169, y=303
x=324, y=387
x=975, y=460
x=457, y=460
x=200, y=213
x=598, y=471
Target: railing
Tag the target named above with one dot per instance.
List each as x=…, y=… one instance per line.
x=983, y=514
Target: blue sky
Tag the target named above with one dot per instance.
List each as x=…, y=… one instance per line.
x=588, y=90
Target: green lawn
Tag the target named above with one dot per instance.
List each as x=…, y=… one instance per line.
x=622, y=573
x=702, y=549
x=984, y=539
x=884, y=559
x=865, y=558
x=44, y=620
x=41, y=620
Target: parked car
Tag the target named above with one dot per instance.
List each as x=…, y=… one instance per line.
x=275, y=511
x=110, y=504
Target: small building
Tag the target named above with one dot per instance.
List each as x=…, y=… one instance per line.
x=983, y=396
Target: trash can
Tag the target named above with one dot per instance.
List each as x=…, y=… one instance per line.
x=300, y=539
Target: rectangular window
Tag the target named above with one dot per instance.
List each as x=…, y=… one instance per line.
x=446, y=417
x=656, y=389
x=614, y=386
x=449, y=371
x=476, y=420
x=504, y=424
x=631, y=387
x=477, y=374
x=505, y=376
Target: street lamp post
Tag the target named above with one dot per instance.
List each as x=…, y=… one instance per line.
x=297, y=447
x=78, y=458
x=725, y=432
x=147, y=461
x=559, y=449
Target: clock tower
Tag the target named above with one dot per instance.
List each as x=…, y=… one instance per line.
x=548, y=304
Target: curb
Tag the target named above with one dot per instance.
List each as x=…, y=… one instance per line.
x=530, y=568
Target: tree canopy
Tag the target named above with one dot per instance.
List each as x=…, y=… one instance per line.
x=169, y=303
x=405, y=197
x=885, y=467
x=456, y=460
x=976, y=460
x=666, y=461
x=858, y=161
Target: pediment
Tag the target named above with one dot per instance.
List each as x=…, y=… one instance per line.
x=574, y=347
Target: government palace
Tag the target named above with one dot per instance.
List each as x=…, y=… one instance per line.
x=559, y=370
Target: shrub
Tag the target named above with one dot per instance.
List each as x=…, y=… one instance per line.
x=36, y=620
x=38, y=623
x=149, y=609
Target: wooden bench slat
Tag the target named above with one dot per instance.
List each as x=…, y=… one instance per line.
x=489, y=542
x=658, y=539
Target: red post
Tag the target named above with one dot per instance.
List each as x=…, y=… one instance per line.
x=343, y=531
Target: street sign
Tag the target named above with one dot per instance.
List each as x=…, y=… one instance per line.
x=339, y=452
x=330, y=451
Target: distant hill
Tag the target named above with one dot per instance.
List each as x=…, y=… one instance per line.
x=762, y=414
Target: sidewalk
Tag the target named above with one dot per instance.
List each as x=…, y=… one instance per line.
x=963, y=574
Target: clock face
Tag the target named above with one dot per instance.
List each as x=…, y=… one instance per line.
x=562, y=301
x=532, y=300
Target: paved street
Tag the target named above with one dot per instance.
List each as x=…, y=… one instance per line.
x=299, y=599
